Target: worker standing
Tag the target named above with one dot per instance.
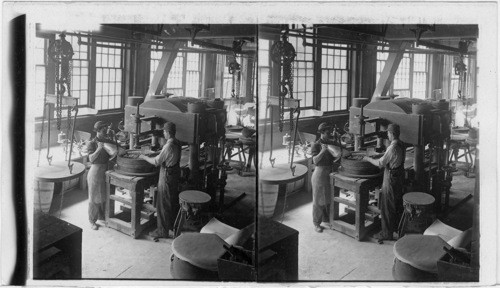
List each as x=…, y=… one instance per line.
x=391, y=196
x=325, y=153
x=96, y=177
x=167, y=198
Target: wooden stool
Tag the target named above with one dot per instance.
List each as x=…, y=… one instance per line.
x=416, y=257
x=250, y=147
x=418, y=213
x=195, y=256
x=191, y=203
x=233, y=142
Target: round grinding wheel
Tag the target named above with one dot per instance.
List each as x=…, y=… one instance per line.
x=281, y=174
x=199, y=249
x=418, y=198
x=194, y=197
x=58, y=172
x=420, y=251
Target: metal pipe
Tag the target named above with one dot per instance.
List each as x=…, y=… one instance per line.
x=418, y=163
x=194, y=165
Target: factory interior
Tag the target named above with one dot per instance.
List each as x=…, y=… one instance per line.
x=249, y=104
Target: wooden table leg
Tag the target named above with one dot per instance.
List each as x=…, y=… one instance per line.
x=361, y=206
x=334, y=205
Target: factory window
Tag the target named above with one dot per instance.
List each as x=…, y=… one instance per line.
x=155, y=57
x=303, y=73
x=334, y=78
x=108, y=79
x=80, y=71
x=264, y=70
x=40, y=74
x=184, y=77
x=466, y=86
x=411, y=78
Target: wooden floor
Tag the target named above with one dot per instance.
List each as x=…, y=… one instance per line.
x=327, y=256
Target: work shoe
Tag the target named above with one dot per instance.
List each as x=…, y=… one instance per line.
x=94, y=226
x=318, y=228
x=156, y=234
x=381, y=237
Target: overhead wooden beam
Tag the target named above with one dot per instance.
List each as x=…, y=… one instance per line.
x=161, y=73
x=390, y=68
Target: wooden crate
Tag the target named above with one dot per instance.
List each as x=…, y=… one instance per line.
x=451, y=272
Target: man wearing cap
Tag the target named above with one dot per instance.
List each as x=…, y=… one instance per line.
x=96, y=177
x=391, y=196
x=167, y=198
x=326, y=153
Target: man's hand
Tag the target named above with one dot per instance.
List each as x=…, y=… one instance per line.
x=100, y=145
x=143, y=157
x=367, y=159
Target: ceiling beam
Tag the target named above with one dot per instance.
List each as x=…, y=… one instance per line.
x=390, y=68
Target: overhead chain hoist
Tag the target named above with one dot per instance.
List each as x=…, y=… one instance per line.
x=61, y=53
x=283, y=53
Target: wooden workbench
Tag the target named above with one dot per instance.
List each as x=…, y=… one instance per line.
x=361, y=187
x=140, y=214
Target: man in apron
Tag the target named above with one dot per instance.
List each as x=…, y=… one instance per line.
x=391, y=196
x=167, y=198
x=326, y=153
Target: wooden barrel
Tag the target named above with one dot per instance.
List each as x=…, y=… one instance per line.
x=358, y=102
x=195, y=256
x=126, y=163
x=44, y=191
x=134, y=100
x=267, y=198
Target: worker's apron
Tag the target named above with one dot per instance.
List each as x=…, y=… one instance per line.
x=167, y=202
x=96, y=181
x=391, y=197
x=320, y=182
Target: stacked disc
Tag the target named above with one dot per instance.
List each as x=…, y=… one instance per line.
x=355, y=165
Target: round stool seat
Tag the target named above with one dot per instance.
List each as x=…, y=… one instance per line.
x=418, y=198
x=199, y=249
x=232, y=137
x=194, y=197
x=420, y=251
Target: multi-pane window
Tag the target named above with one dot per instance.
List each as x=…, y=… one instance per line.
x=155, y=57
x=184, y=77
x=193, y=79
x=401, y=85
x=411, y=78
x=420, y=73
x=40, y=74
x=109, y=71
x=264, y=67
x=303, y=77
x=80, y=71
x=176, y=76
x=334, y=78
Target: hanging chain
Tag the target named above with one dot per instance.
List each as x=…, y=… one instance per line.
x=283, y=53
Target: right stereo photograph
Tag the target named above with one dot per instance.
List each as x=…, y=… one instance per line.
x=368, y=166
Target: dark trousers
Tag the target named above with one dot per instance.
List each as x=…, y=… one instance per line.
x=391, y=201
x=96, y=211
x=167, y=202
x=321, y=214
